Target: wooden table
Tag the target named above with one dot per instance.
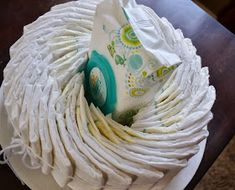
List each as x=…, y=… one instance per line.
x=215, y=44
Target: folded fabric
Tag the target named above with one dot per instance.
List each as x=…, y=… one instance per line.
x=128, y=59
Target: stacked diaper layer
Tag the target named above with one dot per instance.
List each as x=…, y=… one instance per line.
x=74, y=141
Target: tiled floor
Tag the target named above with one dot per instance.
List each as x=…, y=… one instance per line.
x=221, y=175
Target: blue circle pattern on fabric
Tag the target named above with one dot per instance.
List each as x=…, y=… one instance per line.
x=135, y=62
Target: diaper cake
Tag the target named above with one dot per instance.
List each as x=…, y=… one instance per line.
x=104, y=94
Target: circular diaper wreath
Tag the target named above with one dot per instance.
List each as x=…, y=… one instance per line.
x=75, y=142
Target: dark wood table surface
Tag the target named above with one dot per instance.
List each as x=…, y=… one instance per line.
x=215, y=44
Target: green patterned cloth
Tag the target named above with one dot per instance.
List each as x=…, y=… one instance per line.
x=129, y=60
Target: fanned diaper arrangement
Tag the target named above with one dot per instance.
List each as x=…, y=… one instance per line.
x=106, y=95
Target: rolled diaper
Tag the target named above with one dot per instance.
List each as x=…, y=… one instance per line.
x=128, y=60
